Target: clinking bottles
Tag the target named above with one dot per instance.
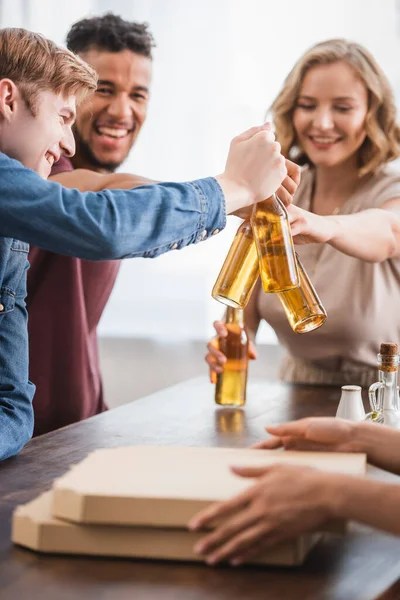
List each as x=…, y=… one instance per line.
x=231, y=384
x=384, y=394
x=239, y=272
x=271, y=229
x=302, y=305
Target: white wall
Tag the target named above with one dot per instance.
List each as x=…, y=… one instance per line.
x=218, y=65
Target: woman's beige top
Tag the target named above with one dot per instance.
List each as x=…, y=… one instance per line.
x=362, y=300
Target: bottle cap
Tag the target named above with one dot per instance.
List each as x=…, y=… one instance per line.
x=388, y=349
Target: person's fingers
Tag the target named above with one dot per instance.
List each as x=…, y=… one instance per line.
x=216, y=353
x=219, y=510
x=237, y=544
x=284, y=196
x=294, y=171
x=270, y=443
x=297, y=428
x=213, y=364
x=215, y=368
x=220, y=328
x=323, y=431
x=289, y=185
x=293, y=443
x=244, y=471
x=249, y=133
x=237, y=523
x=254, y=552
x=252, y=353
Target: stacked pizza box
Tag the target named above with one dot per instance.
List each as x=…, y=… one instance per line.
x=137, y=501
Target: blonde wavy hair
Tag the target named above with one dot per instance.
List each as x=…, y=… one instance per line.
x=382, y=142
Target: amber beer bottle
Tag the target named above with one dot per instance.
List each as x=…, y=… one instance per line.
x=303, y=308
x=231, y=384
x=239, y=272
x=271, y=229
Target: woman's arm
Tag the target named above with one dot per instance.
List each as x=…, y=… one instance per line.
x=286, y=501
x=372, y=235
x=381, y=444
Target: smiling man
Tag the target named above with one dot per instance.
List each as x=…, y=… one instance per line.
x=109, y=123
x=64, y=361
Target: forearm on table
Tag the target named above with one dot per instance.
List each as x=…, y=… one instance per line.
x=372, y=235
x=380, y=443
x=367, y=501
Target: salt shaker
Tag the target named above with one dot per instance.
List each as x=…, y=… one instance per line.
x=351, y=405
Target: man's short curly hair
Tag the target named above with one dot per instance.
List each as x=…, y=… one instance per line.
x=110, y=32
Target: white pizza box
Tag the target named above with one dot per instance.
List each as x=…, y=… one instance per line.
x=160, y=486
x=34, y=527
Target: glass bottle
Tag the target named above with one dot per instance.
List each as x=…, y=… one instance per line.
x=271, y=230
x=303, y=308
x=230, y=389
x=384, y=394
x=239, y=272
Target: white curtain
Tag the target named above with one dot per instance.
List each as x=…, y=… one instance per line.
x=217, y=66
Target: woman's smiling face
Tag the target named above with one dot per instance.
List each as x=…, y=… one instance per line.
x=330, y=112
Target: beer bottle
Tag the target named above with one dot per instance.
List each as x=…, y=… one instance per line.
x=239, y=272
x=230, y=389
x=303, y=308
x=277, y=261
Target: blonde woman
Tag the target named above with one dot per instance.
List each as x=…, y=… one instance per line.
x=336, y=116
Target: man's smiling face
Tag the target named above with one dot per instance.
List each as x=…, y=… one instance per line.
x=109, y=122
x=37, y=137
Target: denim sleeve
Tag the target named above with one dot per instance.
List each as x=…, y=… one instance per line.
x=145, y=221
x=16, y=391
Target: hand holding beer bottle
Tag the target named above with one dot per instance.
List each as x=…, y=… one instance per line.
x=216, y=357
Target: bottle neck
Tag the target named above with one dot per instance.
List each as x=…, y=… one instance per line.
x=272, y=205
x=388, y=376
x=234, y=315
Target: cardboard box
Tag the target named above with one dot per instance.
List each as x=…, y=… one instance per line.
x=166, y=486
x=34, y=527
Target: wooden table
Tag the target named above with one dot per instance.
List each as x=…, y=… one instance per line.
x=361, y=566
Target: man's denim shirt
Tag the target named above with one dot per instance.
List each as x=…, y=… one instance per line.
x=146, y=221
x=16, y=391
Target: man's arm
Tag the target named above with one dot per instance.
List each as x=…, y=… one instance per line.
x=90, y=181
x=109, y=224
x=145, y=221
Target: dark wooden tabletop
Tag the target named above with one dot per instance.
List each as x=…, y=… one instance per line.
x=360, y=566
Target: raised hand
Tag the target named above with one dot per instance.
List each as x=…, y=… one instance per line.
x=255, y=168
